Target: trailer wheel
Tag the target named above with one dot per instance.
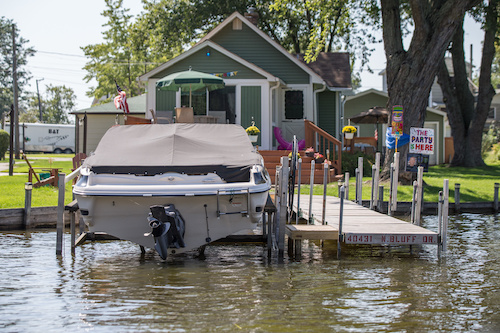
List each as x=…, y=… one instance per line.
x=68, y=151
x=58, y=151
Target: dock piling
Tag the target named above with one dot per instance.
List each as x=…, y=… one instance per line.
x=283, y=188
x=299, y=180
x=341, y=221
x=60, y=213
x=28, y=186
x=311, y=188
x=359, y=183
x=457, y=198
x=495, y=198
x=346, y=184
x=373, y=195
x=444, y=237
x=380, y=198
x=325, y=183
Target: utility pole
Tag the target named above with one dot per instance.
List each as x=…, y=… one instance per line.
x=15, y=123
x=39, y=103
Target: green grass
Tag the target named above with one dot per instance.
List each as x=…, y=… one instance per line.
x=476, y=184
x=12, y=187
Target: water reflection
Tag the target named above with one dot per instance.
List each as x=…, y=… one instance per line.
x=110, y=286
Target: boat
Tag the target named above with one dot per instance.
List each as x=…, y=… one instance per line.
x=173, y=187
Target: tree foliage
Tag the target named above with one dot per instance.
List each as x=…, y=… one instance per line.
x=23, y=52
x=57, y=103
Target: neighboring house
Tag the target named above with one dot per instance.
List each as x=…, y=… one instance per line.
x=93, y=122
x=365, y=100
x=263, y=82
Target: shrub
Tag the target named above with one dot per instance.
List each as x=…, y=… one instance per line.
x=350, y=163
x=4, y=143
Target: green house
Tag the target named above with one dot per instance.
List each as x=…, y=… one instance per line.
x=264, y=83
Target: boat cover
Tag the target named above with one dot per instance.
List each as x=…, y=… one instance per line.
x=185, y=148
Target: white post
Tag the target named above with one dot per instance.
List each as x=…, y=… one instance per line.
x=346, y=184
x=283, y=205
x=360, y=182
x=325, y=183
x=395, y=179
x=446, y=194
x=299, y=170
x=418, y=205
x=389, y=203
x=311, y=187
x=376, y=177
x=373, y=193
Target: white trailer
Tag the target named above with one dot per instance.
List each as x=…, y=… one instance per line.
x=54, y=138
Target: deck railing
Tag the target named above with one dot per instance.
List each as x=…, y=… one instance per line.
x=322, y=141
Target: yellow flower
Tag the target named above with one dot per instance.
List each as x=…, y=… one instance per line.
x=349, y=129
x=252, y=130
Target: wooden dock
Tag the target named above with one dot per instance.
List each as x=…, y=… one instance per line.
x=360, y=225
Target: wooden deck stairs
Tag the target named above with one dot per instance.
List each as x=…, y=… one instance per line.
x=272, y=159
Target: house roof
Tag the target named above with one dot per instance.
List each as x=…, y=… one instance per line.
x=334, y=68
x=136, y=104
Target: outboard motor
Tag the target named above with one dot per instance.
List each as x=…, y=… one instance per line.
x=167, y=228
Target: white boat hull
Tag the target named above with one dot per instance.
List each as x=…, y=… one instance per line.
x=126, y=216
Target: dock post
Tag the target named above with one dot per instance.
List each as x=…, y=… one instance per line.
x=380, y=198
x=27, y=204
x=339, y=184
x=341, y=220
x=299, y=173
x=457, y=198
x=376, y=177
x=495, y=198
x=446, y=194
x=419, y=194
x=413, y=204
x=283, y=205
x=360, y=182
x=325, y=183
x=373, y=195
x=440, y=221
x=391, y=175
x=356, y=188
x=395, y=180
x=346, y=184
x=311, y=188
x=60, y=213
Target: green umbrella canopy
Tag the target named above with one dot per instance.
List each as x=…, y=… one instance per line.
x=190, y=81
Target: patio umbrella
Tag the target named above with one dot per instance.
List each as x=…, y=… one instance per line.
x=190, y=81
x=375, y=115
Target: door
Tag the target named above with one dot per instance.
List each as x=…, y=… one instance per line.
x=293, y=120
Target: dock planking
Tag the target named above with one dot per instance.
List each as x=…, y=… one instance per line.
x=360, y=225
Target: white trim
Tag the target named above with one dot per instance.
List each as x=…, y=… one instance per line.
x=214, y=46
x=314, y=78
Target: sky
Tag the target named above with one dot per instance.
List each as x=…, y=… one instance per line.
x=57, y=29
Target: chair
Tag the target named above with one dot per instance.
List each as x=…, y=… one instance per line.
x=285, y=145
x=131, y=120
x=184, y=115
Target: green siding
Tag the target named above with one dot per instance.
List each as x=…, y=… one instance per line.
x=247, y=44
x=250, y=107
x=165, y=100
x=216, y=63
x=327, y=106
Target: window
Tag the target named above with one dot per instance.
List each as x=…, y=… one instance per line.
x=294, y=104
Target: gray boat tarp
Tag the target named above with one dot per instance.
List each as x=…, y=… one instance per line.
x=184, y=148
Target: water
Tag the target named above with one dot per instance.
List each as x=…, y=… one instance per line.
x=108, y=286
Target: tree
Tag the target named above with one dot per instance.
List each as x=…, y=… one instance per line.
x=113, y=60
x=58, y=102
x=466, y=116
x=410, y=73
x=23, y=52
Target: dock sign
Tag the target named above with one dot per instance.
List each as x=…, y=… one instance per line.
x=397, y=121
x=422, y=140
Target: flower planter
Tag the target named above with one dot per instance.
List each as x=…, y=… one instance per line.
x=349, y=136
x=253, y=138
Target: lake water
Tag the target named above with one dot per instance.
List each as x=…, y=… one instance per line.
x=109, y=287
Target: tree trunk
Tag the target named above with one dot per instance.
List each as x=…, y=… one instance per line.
x=410, y=74
x=466, y=120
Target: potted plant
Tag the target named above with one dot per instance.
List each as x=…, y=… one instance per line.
x=309, y=152
x=349, y=131
x=319, y=158
x=253, y=132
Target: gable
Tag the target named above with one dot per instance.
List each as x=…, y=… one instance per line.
x=247, y=44
x=210, y=60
